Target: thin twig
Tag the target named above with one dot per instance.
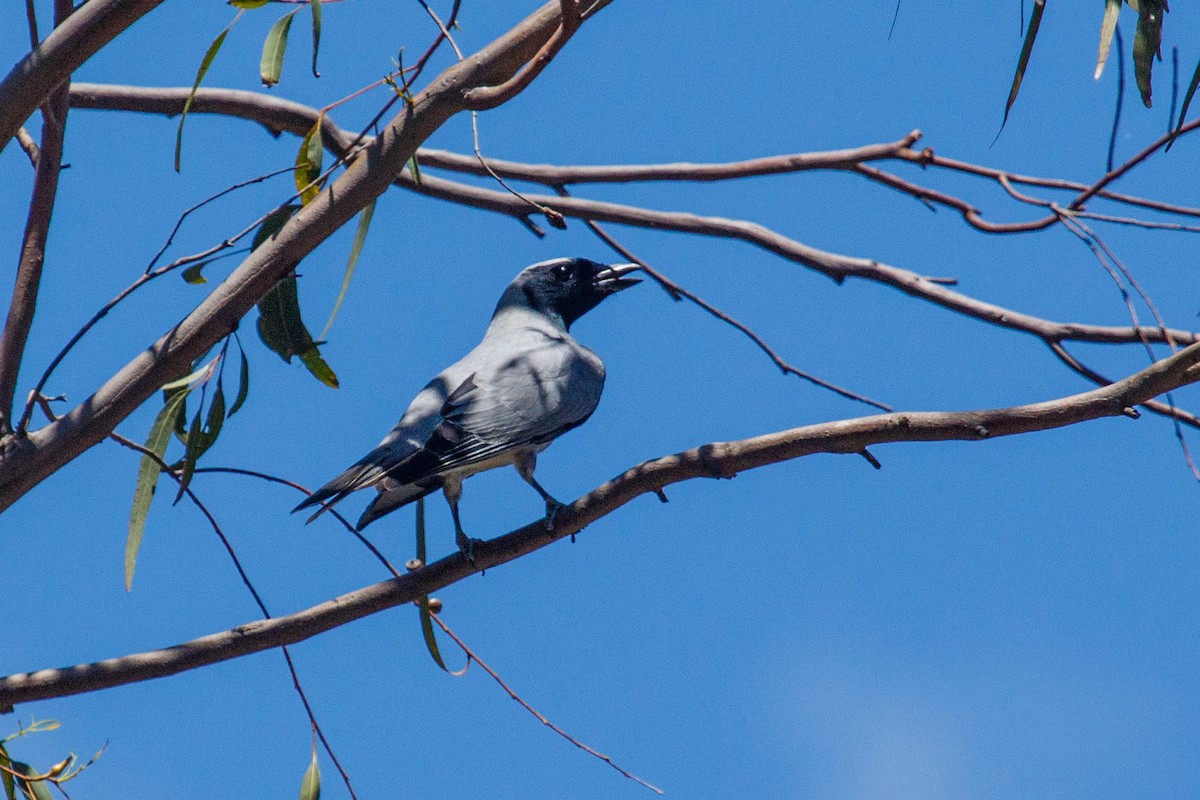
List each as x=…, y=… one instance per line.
x=245, y=578
x=676, y=291
x=471, y=656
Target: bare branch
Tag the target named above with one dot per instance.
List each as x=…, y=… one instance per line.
x=485, y=97
x=280, y=115
x=33, y=243
x=46, y=66
x=715, y=460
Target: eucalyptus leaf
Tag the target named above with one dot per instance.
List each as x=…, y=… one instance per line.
x=1108, y=26
x=243, y=386
x=147, y=479
x=360, y=236
x=248, y=4
x=1035, y=22
x=308, y=163
x=315, y=7
x=1145, y=45
x=205, y=63
x=310, y=784
x=270, y=68
x=281, y=328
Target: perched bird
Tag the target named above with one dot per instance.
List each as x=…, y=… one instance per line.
x=524, y=385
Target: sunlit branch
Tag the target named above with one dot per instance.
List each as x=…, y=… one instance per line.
x=715, y=460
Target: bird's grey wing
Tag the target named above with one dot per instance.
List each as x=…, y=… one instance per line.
x=405, y=439
x=524, y=400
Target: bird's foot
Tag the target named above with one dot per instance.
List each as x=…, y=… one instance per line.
x=552, y=509
x=466, y=546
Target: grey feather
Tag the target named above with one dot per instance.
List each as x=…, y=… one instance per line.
x=526, y=382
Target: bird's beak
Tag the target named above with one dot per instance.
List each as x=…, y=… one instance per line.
x=612, y=278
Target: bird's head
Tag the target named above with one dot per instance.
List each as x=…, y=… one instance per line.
x=567, y=288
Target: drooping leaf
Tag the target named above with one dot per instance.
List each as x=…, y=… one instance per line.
x=360, y=235
x=270, y=68
x=308, y=163
x=193, y=274
x=195, y=445
x=147, y=479
x=205, y=63
x=427, y=631
x=186, y=380
x=315, y=6
x=1187, y=101
x=33, y=790
x=216, y=416
x=282, y=329
x=1145, y=44
x=1035, y=21
x=10, y=787
x=319, y=369
x=310, y=784
x=248, y=4
x=243, y=386
x=273, y=223
x=1108, y=26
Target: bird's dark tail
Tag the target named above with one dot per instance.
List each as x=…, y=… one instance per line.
x=390, y=499
x=357, y=477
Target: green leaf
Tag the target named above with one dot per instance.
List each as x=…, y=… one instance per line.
x=319, y=369
x=195, y=445
x=272, y=224
x=10, y=787
x=423, y=601
x=1187, y=101
x=415, y=168
x=360, y=235
x=271, y=66
x=192, y=274
x=308, y=163
x=216, y=416
x=147, y=479
x=1035, y=21
x=281, y=328
x=248, y=4
x=310, y=784
x=1145, y=44
x=205, y=63
x=33, y=790
x=315, y=6
x=1108, y=26
x=243, y=386
x=186, y=380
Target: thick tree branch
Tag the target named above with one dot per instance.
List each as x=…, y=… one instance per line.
x=48, y=65
x=33, y=243
x=26, y=461
x=716, y=460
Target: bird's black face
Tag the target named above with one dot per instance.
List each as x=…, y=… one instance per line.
x=571, y=287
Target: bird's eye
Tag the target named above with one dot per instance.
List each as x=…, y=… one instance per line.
x=562, y=272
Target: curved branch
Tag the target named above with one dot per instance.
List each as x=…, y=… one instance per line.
x=716, y=460
x=283, y=115
x=81, y=35
x=24, y=462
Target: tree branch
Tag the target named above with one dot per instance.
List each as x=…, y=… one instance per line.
x=282, y=115
x=33, y=242
x=716, y=460
x=46, y=66
x=24, y=462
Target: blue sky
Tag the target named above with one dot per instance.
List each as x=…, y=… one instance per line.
x=975, y=620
